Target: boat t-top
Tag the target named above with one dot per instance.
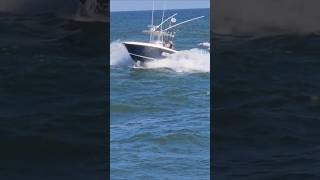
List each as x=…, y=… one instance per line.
x=160, y=44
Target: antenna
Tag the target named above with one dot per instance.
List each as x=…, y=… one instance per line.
x=162, y=20
x=152, y=19
x=152, y=12
x=162, y=14
x=184, y=22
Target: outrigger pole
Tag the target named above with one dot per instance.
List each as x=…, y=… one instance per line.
x=166, y=20
x=183, y=22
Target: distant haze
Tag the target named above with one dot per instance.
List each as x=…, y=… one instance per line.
x=266, y=16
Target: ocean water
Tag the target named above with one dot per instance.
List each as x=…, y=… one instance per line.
x=160, y=113
x=266, y=107
x=52, y=96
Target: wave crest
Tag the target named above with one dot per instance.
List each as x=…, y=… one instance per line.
x=119, y=55
x=187, y=61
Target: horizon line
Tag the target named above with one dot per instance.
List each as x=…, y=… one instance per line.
x=158, y=9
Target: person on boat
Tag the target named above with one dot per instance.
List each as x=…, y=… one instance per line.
x=170, y=45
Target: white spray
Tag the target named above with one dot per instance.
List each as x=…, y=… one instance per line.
x=119, y=55
x=187, y=61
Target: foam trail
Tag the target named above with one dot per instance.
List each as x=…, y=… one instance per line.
x=187, y=61
x=119, y=55
x=204, y=45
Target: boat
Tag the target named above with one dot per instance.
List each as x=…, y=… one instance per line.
x=160, y=44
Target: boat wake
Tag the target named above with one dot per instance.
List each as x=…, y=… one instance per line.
x=119, y=55
x=204, y=45
x=195, y=60
x=187, y=61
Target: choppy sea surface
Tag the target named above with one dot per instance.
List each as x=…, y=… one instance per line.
x=266, y=107
x=160, y=113
x=52, y=96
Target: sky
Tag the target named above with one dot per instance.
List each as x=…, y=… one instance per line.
x=136, y=5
